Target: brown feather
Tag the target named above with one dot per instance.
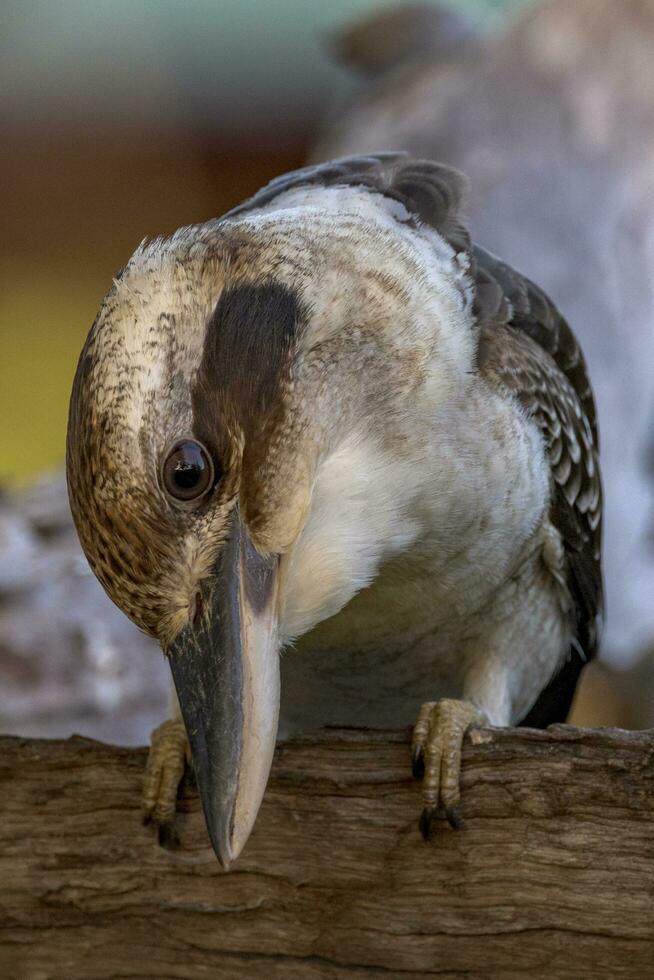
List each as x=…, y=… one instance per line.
x=528, y=350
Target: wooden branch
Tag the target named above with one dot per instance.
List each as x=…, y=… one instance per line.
x=552, y=876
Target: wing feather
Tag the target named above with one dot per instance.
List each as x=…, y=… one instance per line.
x=527, y=349
x=432, y=192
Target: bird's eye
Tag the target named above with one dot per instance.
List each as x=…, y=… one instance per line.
x=187, y=472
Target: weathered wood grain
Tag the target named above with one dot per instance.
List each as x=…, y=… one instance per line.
x=552, y=876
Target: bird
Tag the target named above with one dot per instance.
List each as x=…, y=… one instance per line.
x=343, y=464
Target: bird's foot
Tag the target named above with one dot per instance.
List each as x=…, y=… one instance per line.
x=168, y=758
x=436, y=753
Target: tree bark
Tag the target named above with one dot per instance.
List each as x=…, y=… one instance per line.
x=552, y=875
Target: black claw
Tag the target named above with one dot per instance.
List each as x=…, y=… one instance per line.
x=426, y=822
x=168, y=836
x=418, y=763
x=454, y=817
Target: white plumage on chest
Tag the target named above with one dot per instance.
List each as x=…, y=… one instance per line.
x=411, y=534
x=450, y=516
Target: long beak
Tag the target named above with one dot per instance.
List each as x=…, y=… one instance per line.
x=226, y=672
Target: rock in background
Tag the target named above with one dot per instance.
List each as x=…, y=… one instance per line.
x=70, y=661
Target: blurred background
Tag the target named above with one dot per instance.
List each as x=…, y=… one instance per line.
x=123, y=120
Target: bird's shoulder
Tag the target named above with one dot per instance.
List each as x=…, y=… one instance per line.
x=430, y=192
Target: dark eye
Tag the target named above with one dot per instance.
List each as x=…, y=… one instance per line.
x=188, y=471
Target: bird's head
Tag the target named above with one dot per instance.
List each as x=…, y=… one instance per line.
x=233, y=417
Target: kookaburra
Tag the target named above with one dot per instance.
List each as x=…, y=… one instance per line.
x=343, y=465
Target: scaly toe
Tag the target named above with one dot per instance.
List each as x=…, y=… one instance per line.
x=436, y=758
x=165, y=768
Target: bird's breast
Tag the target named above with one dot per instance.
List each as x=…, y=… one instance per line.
x=373, y=688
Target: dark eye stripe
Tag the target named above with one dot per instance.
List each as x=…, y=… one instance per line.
x=188, y=471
